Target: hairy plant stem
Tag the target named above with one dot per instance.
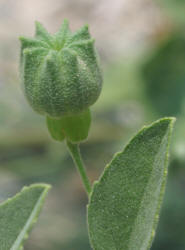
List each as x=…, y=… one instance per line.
x=75, y=153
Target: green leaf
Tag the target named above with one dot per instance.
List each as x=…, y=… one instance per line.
x=125, y=202
x=18, y=214
x=165, y=65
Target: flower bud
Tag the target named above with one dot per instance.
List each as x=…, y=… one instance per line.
x=60, y=73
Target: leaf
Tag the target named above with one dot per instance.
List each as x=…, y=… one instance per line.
x=163, y=75
x=125, y=202
x=18, y=214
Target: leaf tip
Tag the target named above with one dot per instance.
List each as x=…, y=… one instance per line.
x=169, y=121
x=39, y=185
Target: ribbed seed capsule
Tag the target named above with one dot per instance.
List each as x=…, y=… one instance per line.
x=60, y=73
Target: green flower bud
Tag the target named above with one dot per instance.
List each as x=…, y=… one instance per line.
x=60, y=73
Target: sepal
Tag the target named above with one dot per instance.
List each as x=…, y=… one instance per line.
x=72, y=128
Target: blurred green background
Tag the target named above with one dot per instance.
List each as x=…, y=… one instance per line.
x=142, y=49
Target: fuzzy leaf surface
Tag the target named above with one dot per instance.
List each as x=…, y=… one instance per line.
x=18, y=214
x=125, y=202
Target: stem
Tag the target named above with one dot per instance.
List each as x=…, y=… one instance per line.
x=75, y=153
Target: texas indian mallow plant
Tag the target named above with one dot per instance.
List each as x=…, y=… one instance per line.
x=61, y=79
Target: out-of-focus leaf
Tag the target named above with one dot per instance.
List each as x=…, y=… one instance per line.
x=164, y=75
x=174, y=9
